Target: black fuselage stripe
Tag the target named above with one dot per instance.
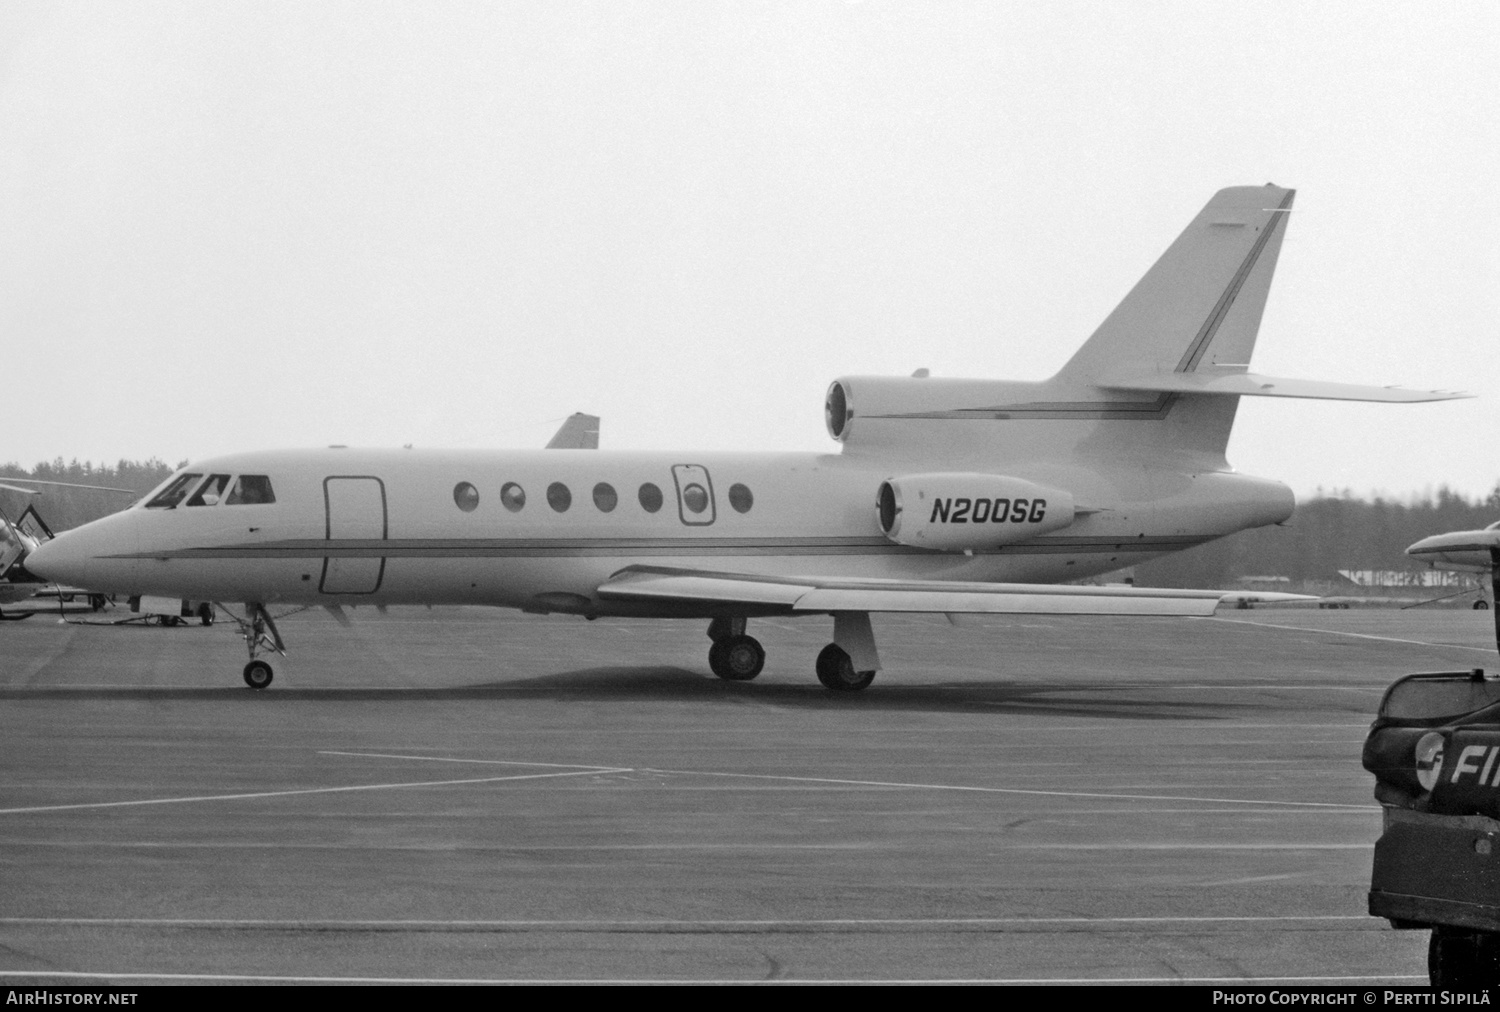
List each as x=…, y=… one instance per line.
x=1199, y=347
x=678, y=548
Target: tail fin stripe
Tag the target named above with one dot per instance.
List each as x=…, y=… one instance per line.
x=1199, y=347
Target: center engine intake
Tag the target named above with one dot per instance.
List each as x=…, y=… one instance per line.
x=958, y=512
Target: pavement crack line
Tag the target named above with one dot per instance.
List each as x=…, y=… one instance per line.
x=306, y=790
x=890, y=784
x=1011, y=790
x=1358, y=636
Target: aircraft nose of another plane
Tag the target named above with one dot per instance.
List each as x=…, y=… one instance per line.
x=1459, y=549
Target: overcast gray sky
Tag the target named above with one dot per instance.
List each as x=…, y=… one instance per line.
x=231, y=226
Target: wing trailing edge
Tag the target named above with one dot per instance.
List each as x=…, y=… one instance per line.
x=822, y=595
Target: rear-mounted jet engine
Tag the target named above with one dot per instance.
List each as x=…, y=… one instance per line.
x=961, y=512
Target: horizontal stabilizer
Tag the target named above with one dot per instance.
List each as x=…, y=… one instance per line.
x=1249, y=384
x=792, y=595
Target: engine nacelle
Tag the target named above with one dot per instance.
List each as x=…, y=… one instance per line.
x=911, y=396
x=959, y=512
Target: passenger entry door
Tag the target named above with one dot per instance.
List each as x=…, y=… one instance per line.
x=356, y=525
x=695, y=494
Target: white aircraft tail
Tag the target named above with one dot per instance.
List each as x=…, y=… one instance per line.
x=1199, y=306
x=1161, y=377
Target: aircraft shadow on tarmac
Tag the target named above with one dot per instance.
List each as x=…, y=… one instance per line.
x=671, y=684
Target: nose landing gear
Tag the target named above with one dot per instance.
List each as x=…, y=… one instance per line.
x=258, y=674
x=261, y=636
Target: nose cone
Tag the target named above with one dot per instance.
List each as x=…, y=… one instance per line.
x=1461, y=550
x=57, y=560
x=89, y=556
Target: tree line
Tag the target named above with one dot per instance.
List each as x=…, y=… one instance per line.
x=1327, y=533
x=65, y=508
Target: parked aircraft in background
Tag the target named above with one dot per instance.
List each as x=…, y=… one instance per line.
x=947, y=495
x=1467, y=552
x=18, y=540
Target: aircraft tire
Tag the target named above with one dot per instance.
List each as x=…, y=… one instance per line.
x=1463, y=958
x=96, y=602
x=1481, y=605
x=737, y=658
x=836, y=671
x=258, y=675
x=16, y=617
x=206, y=614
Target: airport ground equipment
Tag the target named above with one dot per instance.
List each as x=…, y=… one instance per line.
x=171, y=610
x=1435, y=751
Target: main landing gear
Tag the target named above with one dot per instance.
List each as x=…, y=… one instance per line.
x=836, y=670
x=734, y=656
x=848, y=664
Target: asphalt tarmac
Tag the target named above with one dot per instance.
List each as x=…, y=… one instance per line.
x=471, y=795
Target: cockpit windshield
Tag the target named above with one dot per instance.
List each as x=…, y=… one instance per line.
x=246, y=490
x=170, y=496
x=251, y=490
x=211, y=491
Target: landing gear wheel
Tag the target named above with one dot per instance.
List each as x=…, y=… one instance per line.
x=96, y=602
x=205, y=614
x=736, y=658
x=258, y=674
x=836, y=671
x=1460, y=958
x=1481, y=605
x=15, y=616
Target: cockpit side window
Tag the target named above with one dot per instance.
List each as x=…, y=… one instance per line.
x=251, y=490
x=170, y=496
x=211, y=491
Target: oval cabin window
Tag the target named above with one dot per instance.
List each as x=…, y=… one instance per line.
x=513, y=496
x=740, y=498
x=605, y=497
x=558, y=497
x=466, y=497
x=650, y=498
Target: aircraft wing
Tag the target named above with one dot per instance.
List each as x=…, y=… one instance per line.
x=1464, y=551
x=579, y=432
x=1249, y=384
x=822, y=595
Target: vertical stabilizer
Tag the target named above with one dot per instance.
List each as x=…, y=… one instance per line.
x=579, y=432
x=1200, y=304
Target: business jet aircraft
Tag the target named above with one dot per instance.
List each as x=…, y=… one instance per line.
x=947, y=496
x=1466, y=552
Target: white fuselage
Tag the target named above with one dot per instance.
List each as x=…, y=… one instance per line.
x=353, y=526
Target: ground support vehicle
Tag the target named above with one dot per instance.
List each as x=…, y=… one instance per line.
x=1435, y=751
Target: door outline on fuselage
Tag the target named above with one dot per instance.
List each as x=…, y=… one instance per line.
x=353, y=575
x=683, y=477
